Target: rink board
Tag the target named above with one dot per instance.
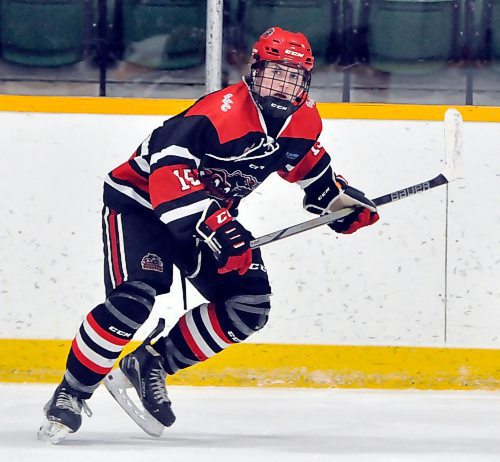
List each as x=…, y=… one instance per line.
x=287, y=365
x=275, y=365
x=146, y=106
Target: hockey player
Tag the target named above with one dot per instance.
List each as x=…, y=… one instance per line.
x=175, y=202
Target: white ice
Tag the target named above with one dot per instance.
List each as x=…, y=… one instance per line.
x=271, y=425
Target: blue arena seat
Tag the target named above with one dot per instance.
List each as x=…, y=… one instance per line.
x=495, y=34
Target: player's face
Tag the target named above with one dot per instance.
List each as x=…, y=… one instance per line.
x=280, y=81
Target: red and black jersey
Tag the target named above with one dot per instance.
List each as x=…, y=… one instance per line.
x=218, y=148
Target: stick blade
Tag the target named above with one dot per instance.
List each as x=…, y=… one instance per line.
x=453, y=126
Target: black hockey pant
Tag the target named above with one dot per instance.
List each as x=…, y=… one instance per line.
x=138, y=264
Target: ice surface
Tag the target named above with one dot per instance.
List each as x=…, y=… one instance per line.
x=271, y=425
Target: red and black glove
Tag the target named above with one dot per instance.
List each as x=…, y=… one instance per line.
x=227, y=238
x=358, y=219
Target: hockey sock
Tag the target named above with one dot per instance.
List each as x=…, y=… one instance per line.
x=209, y=328
x=104, y=333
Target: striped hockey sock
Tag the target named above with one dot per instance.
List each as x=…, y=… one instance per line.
x=94, y=351
x=209, y=328
x=104, y=333
x=198, y=335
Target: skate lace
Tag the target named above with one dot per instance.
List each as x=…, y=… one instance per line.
x=158, y=385
x=86, y=409
x=71, y=403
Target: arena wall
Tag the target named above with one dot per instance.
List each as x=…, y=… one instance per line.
x=413, y=301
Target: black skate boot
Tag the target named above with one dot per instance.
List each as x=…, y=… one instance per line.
x=63, y=413
x=143, y=370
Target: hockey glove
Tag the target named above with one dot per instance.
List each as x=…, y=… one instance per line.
x=365, y=213
x=227, y=238
x=324, y=197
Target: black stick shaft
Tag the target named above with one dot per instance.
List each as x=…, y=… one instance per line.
x=411, y=190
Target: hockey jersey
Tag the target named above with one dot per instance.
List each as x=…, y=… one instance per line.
x=219, y=148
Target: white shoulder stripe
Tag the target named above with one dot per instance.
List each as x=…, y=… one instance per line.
x=128, y=191
x=177, y=151
x=142, y=163
x=145, y=146
x=181, y=212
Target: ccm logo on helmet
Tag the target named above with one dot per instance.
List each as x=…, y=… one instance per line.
x=294, y=53
x=278, y=106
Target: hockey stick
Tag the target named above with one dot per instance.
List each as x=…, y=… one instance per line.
x=453, y=149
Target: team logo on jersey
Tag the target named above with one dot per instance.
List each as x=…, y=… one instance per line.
x=223, y=185
x=226, y=102
x=152, y=262
x=265, y=147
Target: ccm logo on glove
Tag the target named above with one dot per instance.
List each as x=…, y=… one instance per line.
x=227, y=238
x=218, y=218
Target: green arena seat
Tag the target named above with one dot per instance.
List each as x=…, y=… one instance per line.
x=314, y=18
x=42, y=32
x=163, y=34
x=495, y=34
x=410, y=36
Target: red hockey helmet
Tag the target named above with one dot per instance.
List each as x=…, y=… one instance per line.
x=276, y=44
x=280, y=75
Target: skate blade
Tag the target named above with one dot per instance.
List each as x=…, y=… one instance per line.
x=53, y=432
x=117, y=384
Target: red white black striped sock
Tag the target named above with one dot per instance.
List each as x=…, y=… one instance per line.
x=95, y=349
x=201, y=333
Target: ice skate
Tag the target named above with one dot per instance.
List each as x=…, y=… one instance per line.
x=143, y=370
x=64, y=415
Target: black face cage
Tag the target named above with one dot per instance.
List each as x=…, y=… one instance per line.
x=295, y=95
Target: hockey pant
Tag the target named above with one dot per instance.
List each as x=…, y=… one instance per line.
x=138, y=264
